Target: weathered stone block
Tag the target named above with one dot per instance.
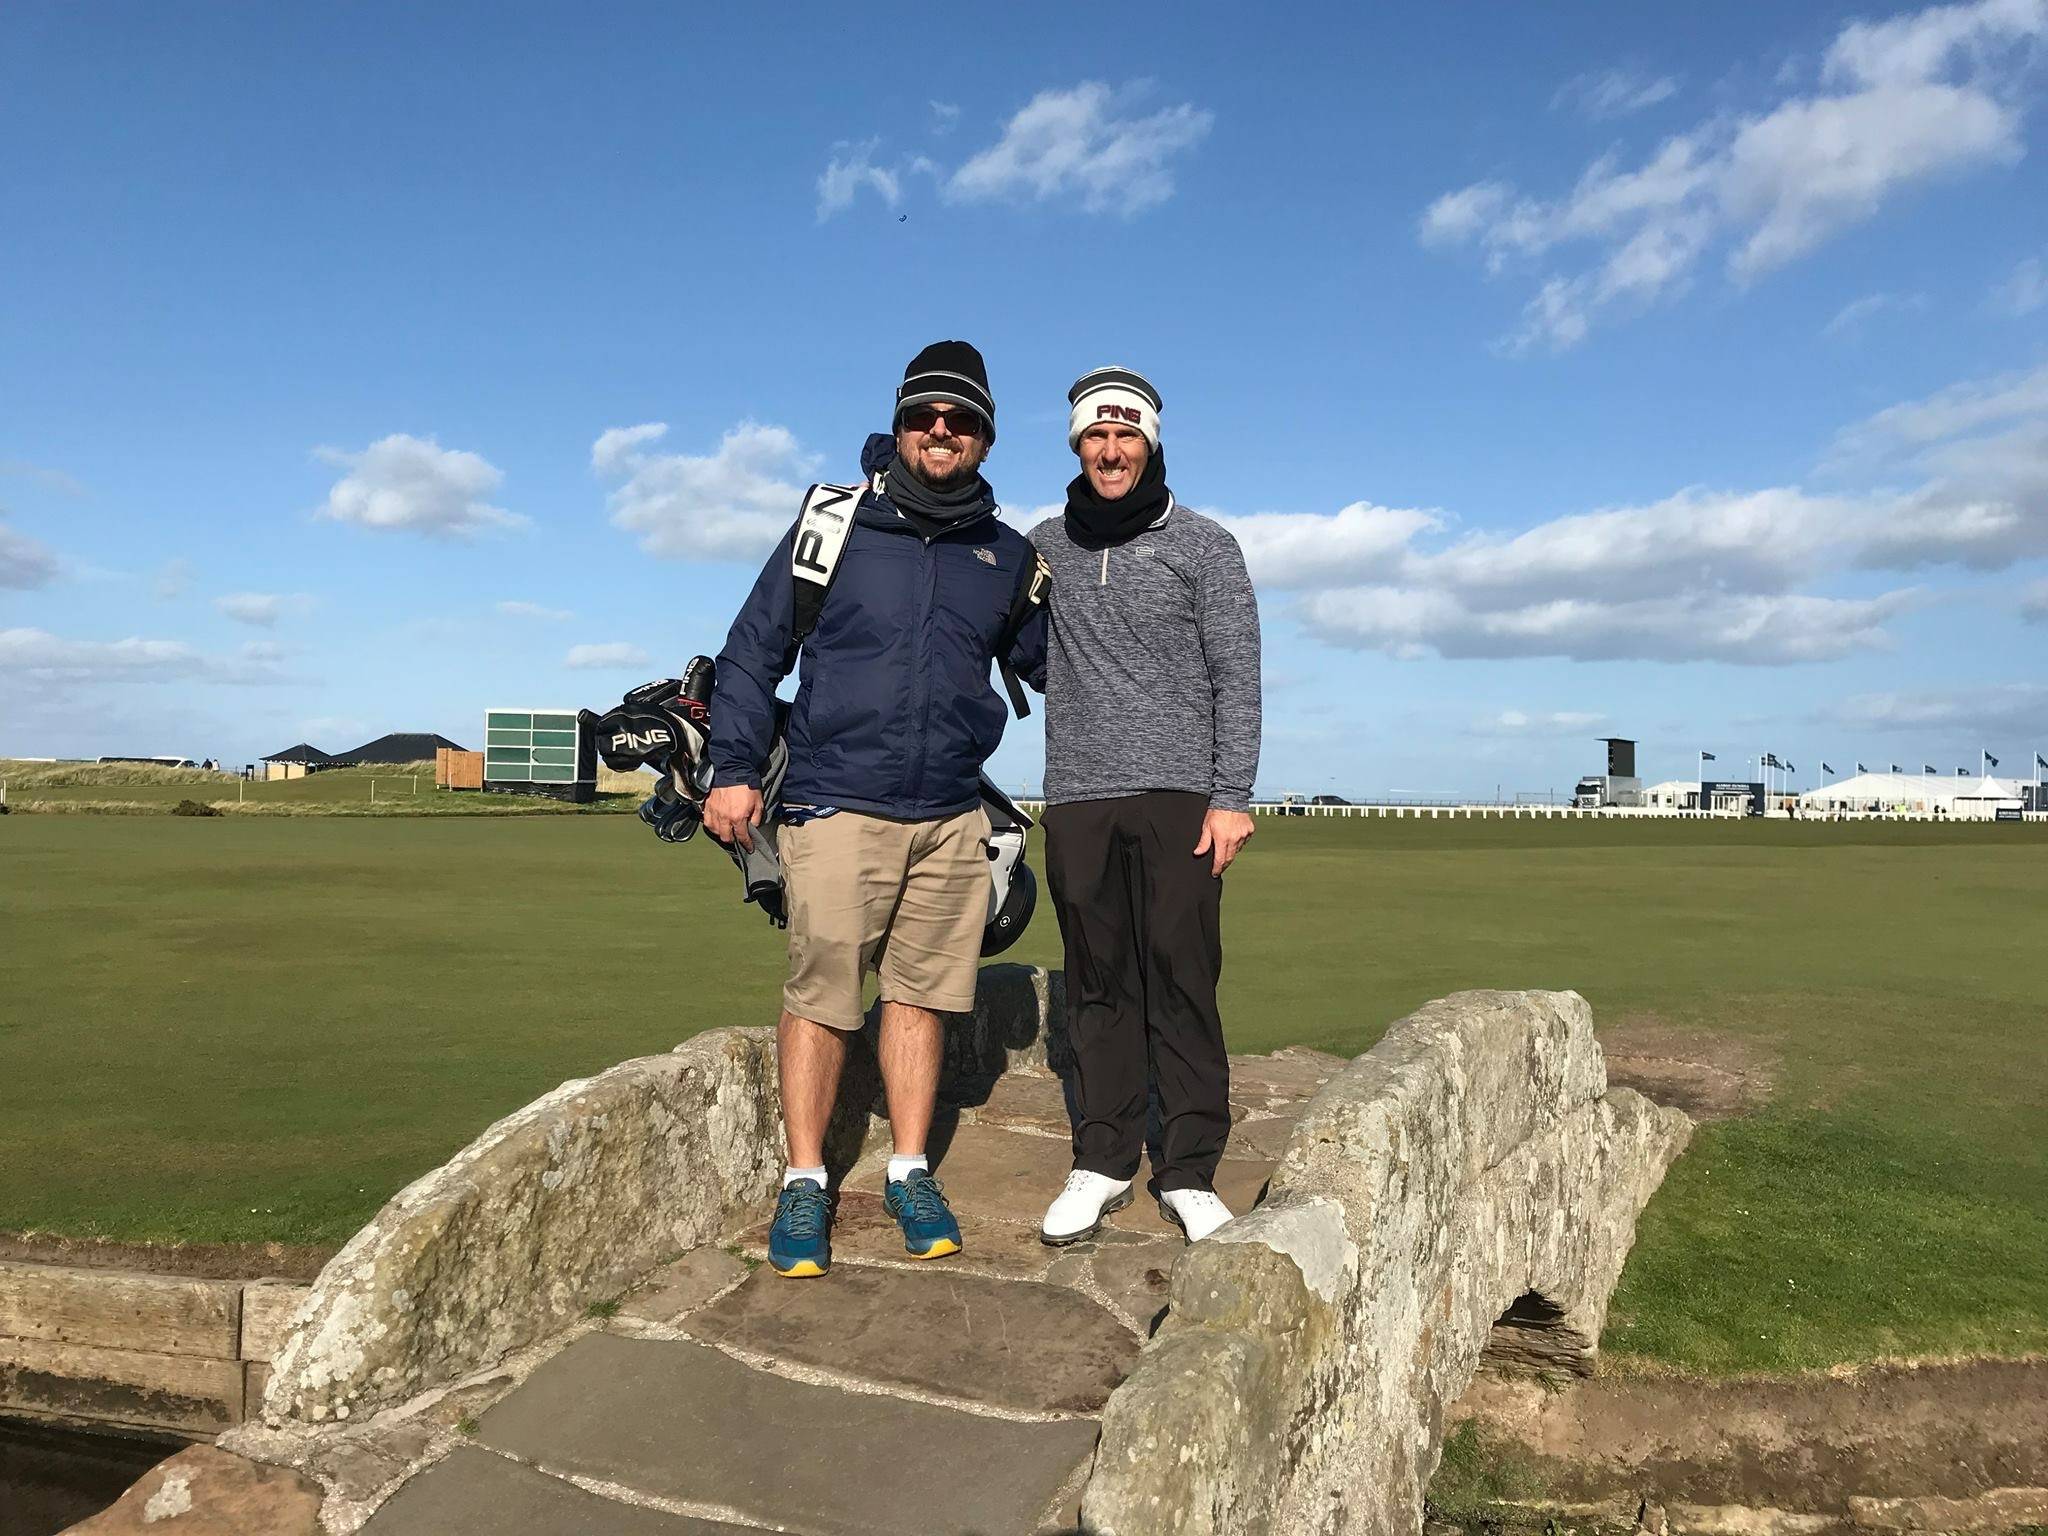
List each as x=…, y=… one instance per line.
x=208, y=1492
x=1471, y=1164
x=121, y=1386
x=568, y=1201
x=120, y=1309
x=267, y=1308
x=684, y=1285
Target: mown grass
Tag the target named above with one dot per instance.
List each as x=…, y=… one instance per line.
x=248, y=1029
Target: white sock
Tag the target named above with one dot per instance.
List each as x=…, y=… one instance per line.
x=901, y=1164
x=791, y=1175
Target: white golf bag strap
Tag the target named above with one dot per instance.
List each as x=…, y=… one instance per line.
x=822, y=528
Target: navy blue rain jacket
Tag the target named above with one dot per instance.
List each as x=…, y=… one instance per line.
x=895, y=712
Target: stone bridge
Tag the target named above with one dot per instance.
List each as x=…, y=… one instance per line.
x=567, y=1328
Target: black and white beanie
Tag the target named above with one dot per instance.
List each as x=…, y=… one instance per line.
x=951, y=371
x=1113, y=394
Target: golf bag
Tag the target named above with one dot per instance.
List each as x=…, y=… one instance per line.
x=666, y=725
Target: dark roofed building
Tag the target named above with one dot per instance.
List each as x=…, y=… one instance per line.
x=311, y=757
x=398, y=747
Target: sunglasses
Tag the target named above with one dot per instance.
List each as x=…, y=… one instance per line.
x=959, y=420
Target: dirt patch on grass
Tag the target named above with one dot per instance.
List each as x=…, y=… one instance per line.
x=1810, y=1444
x=1710, y=1076
x=201, y=1261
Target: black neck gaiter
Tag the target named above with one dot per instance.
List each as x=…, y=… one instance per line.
x=1094, y=523
x=933, y=511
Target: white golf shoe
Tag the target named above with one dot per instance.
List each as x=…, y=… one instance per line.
x=1080, y=1207
x=1196, y=1212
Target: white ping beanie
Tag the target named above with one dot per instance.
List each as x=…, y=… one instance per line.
x=1113, y=394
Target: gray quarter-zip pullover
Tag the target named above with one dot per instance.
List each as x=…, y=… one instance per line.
x=1152, y=673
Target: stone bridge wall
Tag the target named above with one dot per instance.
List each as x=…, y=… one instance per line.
x=1469, y=1181
x=560, y=1204
x=578, y=1195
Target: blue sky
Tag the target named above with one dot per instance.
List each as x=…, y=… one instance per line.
x=1612, y=369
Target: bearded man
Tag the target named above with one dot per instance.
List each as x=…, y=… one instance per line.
x=883, y=839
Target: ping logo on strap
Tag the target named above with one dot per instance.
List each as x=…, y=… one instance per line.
x=822, y=534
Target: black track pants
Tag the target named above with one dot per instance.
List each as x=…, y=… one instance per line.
x=1141, y=917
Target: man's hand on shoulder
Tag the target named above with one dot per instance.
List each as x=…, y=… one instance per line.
x=730, y=812
x=1223, y=834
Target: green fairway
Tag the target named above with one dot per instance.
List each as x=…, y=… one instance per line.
x=258, y=1028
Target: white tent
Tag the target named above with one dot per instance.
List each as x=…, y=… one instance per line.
x=1672, y=794
x=1961, y=796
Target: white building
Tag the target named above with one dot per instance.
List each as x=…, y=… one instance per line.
x=1671, y=795
x=1962, y=796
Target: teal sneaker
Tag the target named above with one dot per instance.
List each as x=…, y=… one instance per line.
x=919, y=1206
x=800, y=1239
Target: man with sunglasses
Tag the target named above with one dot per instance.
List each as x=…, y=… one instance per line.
x=1152, y=717
x=883, y=838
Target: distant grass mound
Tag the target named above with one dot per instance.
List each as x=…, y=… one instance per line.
x=373, y=789
x=22, y=775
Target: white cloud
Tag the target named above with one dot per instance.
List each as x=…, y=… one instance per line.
x=1851, y=317
x=24, y=562
x=175, y=579
x=1700, y=626
x=852, y=167
x=1901, y=103
x=1082, y=143
x=1361, y=542
x=1922, y=45
x=414, y=484
x=49, y=479
x=261, y=608
x=1518, y=723
x=729, y=505
x=36, y=657
x=1978, y=715
x=1706, y=574
x=616, y=653
x=615, y=450
x=1610, y=93
x=945, y=117
x=2024, y=290
x=2034, y=603
x=512, y=608
x=1954, y=412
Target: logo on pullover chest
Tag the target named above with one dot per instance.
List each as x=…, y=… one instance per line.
x=985, y=556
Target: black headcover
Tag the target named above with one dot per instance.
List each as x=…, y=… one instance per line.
x=664, y=725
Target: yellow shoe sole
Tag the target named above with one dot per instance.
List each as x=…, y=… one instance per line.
x=803, y=1269
x=938, y=1250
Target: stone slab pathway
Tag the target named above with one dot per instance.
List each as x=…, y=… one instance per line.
x=953, y=1396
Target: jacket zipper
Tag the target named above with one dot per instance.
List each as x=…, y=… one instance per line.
x=920, y=699
x=1105, y=567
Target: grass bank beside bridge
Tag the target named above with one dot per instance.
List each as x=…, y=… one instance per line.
x=256, y=1029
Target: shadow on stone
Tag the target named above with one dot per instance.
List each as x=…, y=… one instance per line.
x=1532, y=1336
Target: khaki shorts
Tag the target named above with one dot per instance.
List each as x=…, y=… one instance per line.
x=905, y=899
